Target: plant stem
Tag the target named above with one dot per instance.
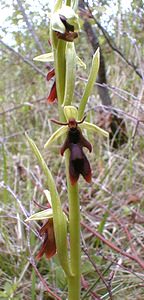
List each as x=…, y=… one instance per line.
x=74, y=229
x=74, y=285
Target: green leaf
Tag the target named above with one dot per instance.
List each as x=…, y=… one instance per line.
x=41, y=215
x=47, y=57
x=93, y=127
x=90, y=83
x=59, y=218
x=70, y=112
x=62, y=130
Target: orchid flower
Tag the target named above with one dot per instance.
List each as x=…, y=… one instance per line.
x=75, y=141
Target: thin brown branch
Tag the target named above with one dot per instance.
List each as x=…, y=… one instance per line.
x=116, y=263
x=43, y=281
x=112, y=44
x=24, y=211
x=16, y=107
x=30, y=27
x=93, y=40
x=23, y=58
x=86, y=286
x=99, y=273
x=113, y=246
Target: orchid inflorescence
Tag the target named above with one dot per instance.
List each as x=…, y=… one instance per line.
x=64, y=27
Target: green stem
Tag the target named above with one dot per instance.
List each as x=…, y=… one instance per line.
x=74, y=286
x=74, y=229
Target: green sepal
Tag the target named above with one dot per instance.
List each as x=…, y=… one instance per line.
x=56, y=23
x=48, y=196
x=41, y=215
x=62, y=130
x=90, y=83
x=69, y=14
x=70, y=112
x=47, y=57
x=93, y=127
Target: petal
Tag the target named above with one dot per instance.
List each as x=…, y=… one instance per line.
x=84, y=142
x=42, y=249
x=45, y=227
x=62, y=130
x=50, y=74
x=47, y=57
x=49, y=244
x=53, y=94
x=65, y=146
x=93, y=127
x=51, y=249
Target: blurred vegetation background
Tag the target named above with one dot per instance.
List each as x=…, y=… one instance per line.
x=112, y=206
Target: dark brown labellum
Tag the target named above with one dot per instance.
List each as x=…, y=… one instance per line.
x=67, y=36
x=49, y=245
x=78, y=164
x=75, y=141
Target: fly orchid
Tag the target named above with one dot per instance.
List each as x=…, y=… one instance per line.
x=49, y=244
x=75, y=141
x=64, y=22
